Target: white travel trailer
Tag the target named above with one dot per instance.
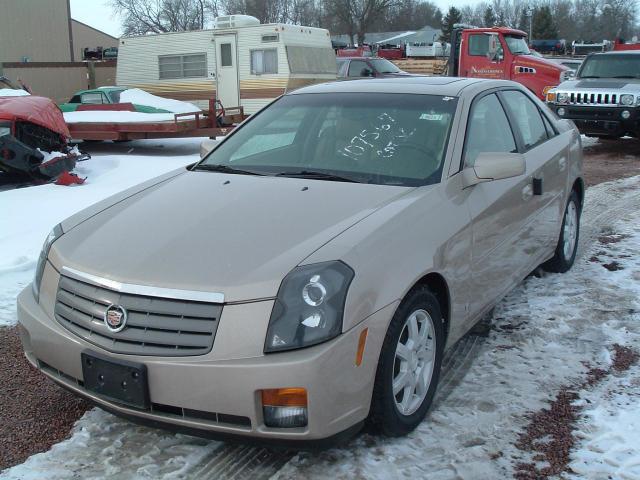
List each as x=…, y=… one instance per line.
x=240, y=61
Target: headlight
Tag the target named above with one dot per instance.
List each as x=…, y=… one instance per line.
x=567, y=75
x=562, y=97
x=627, y=99
x=309, y=306
x=42, y=260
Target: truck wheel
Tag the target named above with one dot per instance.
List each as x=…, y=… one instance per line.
x=567, y=246
x=409, y=365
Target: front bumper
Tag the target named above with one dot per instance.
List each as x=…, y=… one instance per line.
x=596, y=120
x=218, y=394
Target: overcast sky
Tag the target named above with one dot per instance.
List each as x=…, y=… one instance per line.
x=98, y=13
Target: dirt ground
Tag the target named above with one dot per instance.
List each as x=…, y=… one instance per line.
x=35, y=413
x=611, y=159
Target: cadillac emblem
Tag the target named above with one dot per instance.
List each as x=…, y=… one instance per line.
x=115, y=318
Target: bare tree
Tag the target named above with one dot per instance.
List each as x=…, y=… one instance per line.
x=158, y=16
x=359, y=15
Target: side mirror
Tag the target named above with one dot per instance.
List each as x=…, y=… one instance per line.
x=494, y=54
x=493, y=166
x=206, y=146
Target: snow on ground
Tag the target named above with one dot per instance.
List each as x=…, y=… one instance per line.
x=140, y=97
x=10, y=92
x=542, y=333
x=28, y=214
x=610, y=430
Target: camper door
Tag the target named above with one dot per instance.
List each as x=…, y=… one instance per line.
x=227, y=81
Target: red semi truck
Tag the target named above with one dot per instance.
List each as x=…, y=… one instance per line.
x=503, y=53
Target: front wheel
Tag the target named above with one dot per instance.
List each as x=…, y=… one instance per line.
x=567, y=246
x=409, y=365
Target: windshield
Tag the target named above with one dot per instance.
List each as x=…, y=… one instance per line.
x=517, y=45
x=115, y=95
x=384, y=66
x=388, y=139
x=611, y=66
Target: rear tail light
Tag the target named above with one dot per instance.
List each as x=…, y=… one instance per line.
x=285, y=407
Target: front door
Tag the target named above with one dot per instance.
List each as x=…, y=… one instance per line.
x=477, y=61
x=227, y=81
x=496, y=208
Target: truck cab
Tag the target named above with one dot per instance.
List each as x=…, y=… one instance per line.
x=503, y=53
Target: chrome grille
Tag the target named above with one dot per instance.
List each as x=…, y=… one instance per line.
x=592, y=98
x=155, y=325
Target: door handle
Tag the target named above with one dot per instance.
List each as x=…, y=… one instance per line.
x=527, y=192
x=562, y=163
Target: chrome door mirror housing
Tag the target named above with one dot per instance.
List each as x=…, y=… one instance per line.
x=207, y=145
x=490, y=166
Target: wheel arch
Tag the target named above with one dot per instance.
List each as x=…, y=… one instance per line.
x=437, y=284
x=578, y=187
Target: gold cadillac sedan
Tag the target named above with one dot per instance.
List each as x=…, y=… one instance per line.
x=307, y=275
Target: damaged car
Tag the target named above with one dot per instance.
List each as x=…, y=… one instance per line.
x=34, y=139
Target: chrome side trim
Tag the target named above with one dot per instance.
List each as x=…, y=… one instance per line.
x=176, y=294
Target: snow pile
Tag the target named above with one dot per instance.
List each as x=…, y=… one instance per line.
x=10, y=92
x=137, y=97
x=140, y=97
x=28, y=214
x=120, y=116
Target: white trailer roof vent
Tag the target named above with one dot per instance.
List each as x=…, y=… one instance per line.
x=234, y=21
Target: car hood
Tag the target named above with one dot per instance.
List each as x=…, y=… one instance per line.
x=621, y=84
x=231, y=234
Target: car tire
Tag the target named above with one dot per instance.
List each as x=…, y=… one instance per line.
x=413, y=351
x=567, y=246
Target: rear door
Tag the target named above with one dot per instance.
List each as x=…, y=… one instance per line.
x=546, y=156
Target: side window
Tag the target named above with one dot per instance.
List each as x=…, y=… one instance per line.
x=92, y=98
x=488, y=130
x=357, y=68
x=264, y=61
x=551, y=132
x=342, y=67
x=479, y=44
x=527, y=116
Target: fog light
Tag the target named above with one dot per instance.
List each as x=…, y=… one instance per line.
x=285, y=407
x=626, y=114
x=561, y=112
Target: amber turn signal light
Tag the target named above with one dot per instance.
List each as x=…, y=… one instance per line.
x=285, y=397
x=362, y=341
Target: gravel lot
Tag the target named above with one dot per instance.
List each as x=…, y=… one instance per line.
x=35, y=413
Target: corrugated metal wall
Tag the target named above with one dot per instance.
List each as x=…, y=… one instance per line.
x=59, y=81
x=34, y=29
x=86, y=37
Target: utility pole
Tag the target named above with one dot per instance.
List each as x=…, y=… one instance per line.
x=530, y=24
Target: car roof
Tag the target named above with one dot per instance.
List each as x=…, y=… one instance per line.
x=359, y=58
x=619, y=52
x=99, y=89
x=448, y=86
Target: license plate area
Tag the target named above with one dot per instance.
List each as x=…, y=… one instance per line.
x=117, y=381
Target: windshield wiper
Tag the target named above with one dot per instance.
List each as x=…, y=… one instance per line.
x=626, y=76
x=225, y=169
x=316, y=175
x=589, y=76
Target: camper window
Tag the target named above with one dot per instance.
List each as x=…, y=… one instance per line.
x=264, y=61
x=225, y=55
x=182, y=66
x=271, y=37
